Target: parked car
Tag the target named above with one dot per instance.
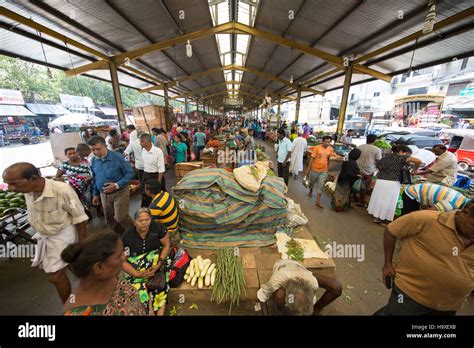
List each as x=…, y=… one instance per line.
x=357, y=124
x=461, y=143
x=423, y=142
x=394, y=135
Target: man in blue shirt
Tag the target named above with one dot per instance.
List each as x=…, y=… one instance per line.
x=284, y=153
x=111, y=176
x=200, y=139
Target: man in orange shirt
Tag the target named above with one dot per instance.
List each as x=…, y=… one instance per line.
x=318, y=167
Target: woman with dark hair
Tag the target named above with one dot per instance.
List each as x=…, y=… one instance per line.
x=350, y=172
x=79, y=176
x=147, y=245
x=97, y=262
x=384, y=198
x=179, y=149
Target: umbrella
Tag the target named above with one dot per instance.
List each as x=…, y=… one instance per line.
x=76, y=119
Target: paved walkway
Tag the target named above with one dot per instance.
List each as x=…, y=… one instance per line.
x=25, y=290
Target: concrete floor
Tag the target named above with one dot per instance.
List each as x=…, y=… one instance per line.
x=26, y=291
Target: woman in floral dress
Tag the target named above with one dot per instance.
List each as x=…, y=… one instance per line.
x=97, y=262
x=147, y=246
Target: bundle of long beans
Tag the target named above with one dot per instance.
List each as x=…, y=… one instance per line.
x=230, y=281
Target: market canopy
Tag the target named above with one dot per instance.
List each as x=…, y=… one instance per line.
x=47, y=109
x=259, y=47
x=76, y=119
x=15, y=110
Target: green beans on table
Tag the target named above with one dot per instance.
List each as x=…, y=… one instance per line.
x=230, y=280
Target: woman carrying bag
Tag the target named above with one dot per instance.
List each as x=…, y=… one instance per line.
x=384, y=198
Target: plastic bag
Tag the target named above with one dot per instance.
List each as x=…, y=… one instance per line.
x=357, y=186
x=295, y=215
x=251, y=176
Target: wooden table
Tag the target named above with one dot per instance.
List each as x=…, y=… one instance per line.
x=258, y=267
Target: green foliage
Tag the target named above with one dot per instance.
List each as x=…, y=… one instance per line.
x=37, y=86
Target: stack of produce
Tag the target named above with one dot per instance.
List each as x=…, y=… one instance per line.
x=216, y=211
x=201, y=272
x=11, y=200
x=382, y=144
x=230, y=280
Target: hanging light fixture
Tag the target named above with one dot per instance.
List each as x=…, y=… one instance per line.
x=430, y=17
x=189, y=49
x=291, y=79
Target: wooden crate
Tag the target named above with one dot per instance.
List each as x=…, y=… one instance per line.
x=181, y=169
x=209, y=159
x=151, y=116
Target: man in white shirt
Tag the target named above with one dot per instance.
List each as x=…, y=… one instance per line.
x=293, y=290
x=367, y=162
x=57, y=215
x=283, y=148
x=135, y=148
x=346, y=139
x=299, y=147
x=444, y=169
x=154, y=166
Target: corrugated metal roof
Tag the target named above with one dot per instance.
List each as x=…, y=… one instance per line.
x=47, y=109
x=14, y=110
x=344, y=28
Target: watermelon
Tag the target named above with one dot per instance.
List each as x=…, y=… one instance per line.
x=14, y=205
x=2, y=194
x=3, y=201
x=10, y=195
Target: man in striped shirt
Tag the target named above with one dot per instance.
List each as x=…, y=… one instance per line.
x=432, y=196
x=163, y=208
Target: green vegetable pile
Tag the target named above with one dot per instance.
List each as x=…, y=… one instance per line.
x=230, y=281
x=382, y=144
x=11, y=200
x=295, y=251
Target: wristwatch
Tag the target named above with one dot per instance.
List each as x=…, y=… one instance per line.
x=117, y=186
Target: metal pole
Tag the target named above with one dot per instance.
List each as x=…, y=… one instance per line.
x=186, y=105
x=343, y=107
x=278, y=111
x=298, y=100
x=117, y=95
x=169, y=122
x=197, y=105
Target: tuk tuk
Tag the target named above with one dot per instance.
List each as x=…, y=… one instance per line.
x=461, y=143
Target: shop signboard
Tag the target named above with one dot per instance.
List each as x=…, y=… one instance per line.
x=11, y=97
x=468, y=91
x=74, y=101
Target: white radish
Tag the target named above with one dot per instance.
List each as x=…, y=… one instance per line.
x=189, y=279
x=204, y=271
x=213, y=276
x=207, y=261
x=196, y=268
x=200, y=283
x=207, y=279
x=191, y=268
x=211, y=268
x=200, y=263
x=185, y=277
x=193, y=281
